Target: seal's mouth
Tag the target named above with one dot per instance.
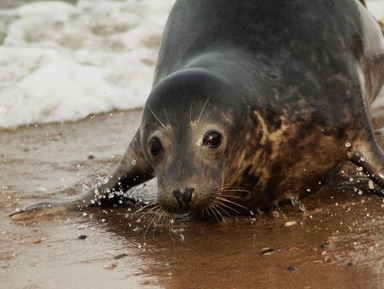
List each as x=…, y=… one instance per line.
x=222, y=203
x=219, y=203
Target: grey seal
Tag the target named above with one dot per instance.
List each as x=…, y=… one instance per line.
x=253, y=102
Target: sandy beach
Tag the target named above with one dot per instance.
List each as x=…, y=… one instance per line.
x=334, y=243
x=331, y=239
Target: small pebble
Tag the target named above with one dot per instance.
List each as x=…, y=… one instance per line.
x=82, y=237
x=120, y=256
x=266, y=251
x=110, y=266
x=350, y=264
x=292, y=268
x=326, y=246
x=293, y=248
x=289, y=224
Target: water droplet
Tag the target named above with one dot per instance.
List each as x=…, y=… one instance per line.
x=359, y=169
x=133, y=162
x=371, y=184
x=363, y=159
x=348, y=144
x=302, y=207
x=360, y=192
x=294, y=200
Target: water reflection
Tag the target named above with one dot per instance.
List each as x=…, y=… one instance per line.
x=334, y=240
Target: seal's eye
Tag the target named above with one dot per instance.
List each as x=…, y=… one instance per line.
x=212, y=139
x=155, y=146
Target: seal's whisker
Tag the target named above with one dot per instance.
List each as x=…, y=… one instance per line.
x=231, y=196
x=157, y=220
x=190, y=113
x=235, y=194
x=225, y=200
x=223, y=205
x=145, y=207
x=206, y=116
x=232, y=189
x=212, y=212
x=168, y=218
x=205, y=211
x=151, y=206
x=155, y=125
x=202, y=110
x=215, y=208
x=152, y=220
x=162, y=124
x=166, y=115
x=222, y=187
x=163, y=216
x=222, y=208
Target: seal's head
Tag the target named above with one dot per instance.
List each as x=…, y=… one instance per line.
x=186, y=135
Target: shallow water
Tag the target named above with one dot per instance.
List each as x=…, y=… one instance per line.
x=335, y=243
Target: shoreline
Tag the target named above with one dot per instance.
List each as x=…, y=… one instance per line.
x=119, y=251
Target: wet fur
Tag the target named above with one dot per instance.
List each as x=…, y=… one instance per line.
x=289, y=83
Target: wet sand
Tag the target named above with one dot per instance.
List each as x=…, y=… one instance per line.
x=335, y=243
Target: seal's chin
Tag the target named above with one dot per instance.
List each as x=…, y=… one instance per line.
x=183, y=210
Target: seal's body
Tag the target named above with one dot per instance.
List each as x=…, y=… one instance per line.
x=255, y=102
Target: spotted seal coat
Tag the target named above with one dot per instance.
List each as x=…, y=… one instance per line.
x=253, y=102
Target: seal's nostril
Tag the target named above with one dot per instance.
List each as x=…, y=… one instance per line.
x=187, y=196
x=178, y=197
x=183, y=199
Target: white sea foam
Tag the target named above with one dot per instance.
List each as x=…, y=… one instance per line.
x=62, y=62
x=376, y=7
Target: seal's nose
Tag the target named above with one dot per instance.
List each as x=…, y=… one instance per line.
x=184, y=199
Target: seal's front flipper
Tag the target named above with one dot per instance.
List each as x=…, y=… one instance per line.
x=131, y=170
x=370, y=157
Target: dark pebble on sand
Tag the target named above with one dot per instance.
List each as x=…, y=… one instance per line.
x=120, y=256
x=91, y=157
x=326, y=246
x=292, y=268
x=82, y=237
x=267, y=251
x=350, y=264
